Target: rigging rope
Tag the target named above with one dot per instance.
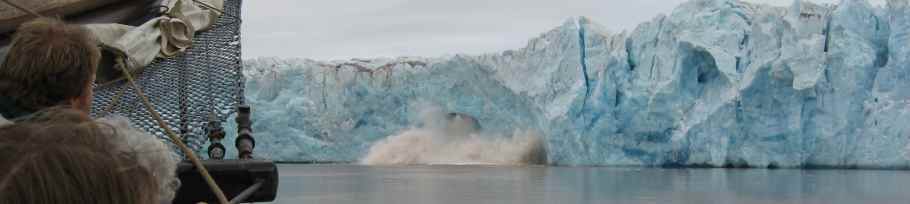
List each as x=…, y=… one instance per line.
x=23, y=9
x=116, y=101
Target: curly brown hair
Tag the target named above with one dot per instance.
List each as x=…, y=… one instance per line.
x=49, y=62
x=62, y=156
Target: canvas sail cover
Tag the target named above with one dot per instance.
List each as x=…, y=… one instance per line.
x=164, y=36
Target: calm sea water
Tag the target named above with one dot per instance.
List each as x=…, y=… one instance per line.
x=331, y=184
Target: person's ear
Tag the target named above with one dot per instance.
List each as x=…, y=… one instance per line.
x=83, y=102
x=79, y=104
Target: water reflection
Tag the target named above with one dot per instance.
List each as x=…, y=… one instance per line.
x=478, y=184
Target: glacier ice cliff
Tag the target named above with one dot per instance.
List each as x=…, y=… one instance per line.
x=717, y=83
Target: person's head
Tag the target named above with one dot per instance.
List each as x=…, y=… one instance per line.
x=50, y=63
x=62, y=156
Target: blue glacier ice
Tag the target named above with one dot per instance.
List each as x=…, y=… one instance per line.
x=716, y=83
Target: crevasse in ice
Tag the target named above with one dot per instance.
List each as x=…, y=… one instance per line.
x=714, y=83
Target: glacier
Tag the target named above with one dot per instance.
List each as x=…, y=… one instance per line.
x=715, y=83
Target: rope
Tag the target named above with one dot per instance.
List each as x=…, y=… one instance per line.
x=22, y=8
x=110, y=107
x=209, y=6
x=174, y=138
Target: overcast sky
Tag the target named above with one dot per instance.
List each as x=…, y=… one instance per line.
x=343, y=29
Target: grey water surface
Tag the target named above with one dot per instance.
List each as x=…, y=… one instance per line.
x=339, y=184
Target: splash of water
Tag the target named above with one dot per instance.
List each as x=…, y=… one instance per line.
x=455, y=139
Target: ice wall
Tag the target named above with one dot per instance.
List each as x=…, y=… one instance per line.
x=715, y=83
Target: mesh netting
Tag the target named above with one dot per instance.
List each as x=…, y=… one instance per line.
x=188, y=89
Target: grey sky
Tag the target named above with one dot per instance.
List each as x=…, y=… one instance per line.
x=342, y=29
